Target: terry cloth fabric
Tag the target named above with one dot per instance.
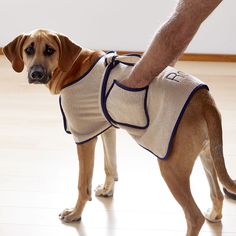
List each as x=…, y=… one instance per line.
x=79, y=102
x=151, y=115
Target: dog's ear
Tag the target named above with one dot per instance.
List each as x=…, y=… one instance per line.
x=69, y=51
x=13, y=52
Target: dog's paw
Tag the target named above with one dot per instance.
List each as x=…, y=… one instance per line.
x=69, y=215
x=213, y=216
x=104, y=191
x=107, y=189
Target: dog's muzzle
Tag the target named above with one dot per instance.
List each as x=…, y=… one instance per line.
x=38, y=75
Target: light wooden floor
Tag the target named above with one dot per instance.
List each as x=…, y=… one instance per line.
x=38, y=168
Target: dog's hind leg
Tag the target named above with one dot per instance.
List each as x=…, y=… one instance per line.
x=109, y=146
x=177, y=180
x=213, y=214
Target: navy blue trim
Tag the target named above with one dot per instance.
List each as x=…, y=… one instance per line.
x=113, y=58
x=64, y=117
x=65, y=125
x=129, y=55
x=86, y=73
x=93, y=136
x=201, y=86
x=117, y=56
x=103, y=90
x=144, y=105
x=127, y=63
x=132, y=54
x=109, y=52
x=104, y=97
x=128, y=88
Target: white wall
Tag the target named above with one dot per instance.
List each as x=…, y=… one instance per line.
x=114, y=25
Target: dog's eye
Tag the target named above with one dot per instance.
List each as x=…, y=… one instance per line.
x=29, y=51
x=49, y=51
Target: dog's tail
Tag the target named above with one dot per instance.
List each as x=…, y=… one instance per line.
x=213, y=119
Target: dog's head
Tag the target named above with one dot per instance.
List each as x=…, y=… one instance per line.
x=42, y=52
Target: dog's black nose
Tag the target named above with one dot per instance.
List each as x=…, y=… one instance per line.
x=37, y=75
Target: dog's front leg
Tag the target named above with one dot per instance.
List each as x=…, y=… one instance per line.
x=109, y=146
x=86, y=163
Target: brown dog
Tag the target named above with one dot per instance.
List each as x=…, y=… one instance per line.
x=54, y=60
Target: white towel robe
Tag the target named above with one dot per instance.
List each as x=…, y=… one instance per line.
x=151, y=115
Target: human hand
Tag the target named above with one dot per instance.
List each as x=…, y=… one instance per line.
x=133, y=82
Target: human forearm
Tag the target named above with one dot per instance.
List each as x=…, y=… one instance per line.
x=167, y=45
x=171, y=40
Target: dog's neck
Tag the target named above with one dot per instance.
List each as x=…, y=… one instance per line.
x=84, y=61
